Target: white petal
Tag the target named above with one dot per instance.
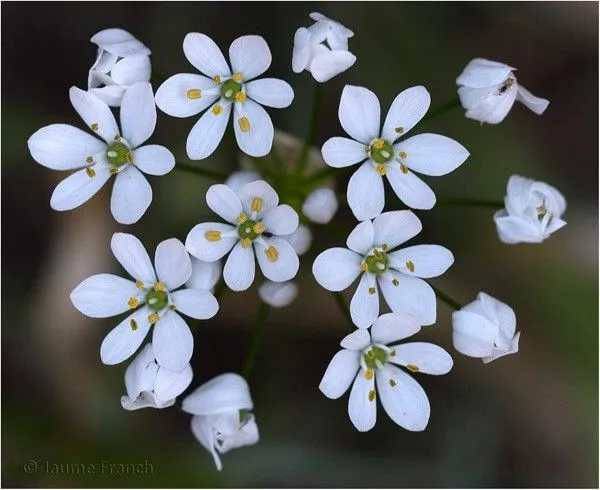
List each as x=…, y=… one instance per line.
x=300, y=240
x=202, y=52
x=366, y=196
x=239, y=179
x=357, y=340
x=196, y=303
x=341, y=152
x=63, y=147
x=95, y=113
x=362, y=405
x=132, y=255
x=513, y=229
x=470, y=97
x=427, y=358
x=256, y=139
x=327, y=65
x=364, y=306
x=340, y=373
x=536, y=104
x=473, y=335
x=172, y=262
x=171, y=97
x=225, y=202
x=172, y=341
x=171, y=384
x=154, y=159
x=503, y=314
x=221, y=394
x=131, y=69
x=432, y=154
x=245, y=434
x=301, y=51
x=320, y=206
x=250, y=56
x=271, y=92
x=493, y=108
x=408, y=109
x=141, y=373
x=258, y=189
x=205, y=275
x=410, y=189
x=335, y=269
x=138, y=113
x=103, y=295
x=282, y=220
x=395, y=227
x=361, y=238
x=278, y=294
x=422, y=260
x=203, y=431
x=240, y=268
x=392, y=327
x=200, y=247
x=131, y=196
x=145, y=400
x=412, y=295
x=119, y=42
x=123, y=340
x=111, y=94
x=207, y=133
x=497, y=353
x=284, y=267
x=359, y=113
x=103, y=64
x=405, y=403
x=78, y=187
x=483, y=73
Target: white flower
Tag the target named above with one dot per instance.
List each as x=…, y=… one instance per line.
x=205, y=275
x=379, y=155
x=239, y=179
x=312, y=54
x=398, y=273
x=488, y=89
x=300, y=240
x=150, y=385
x=485, y=328
x=222, y=420
x=320, y=205
x=155, y=297
x=64, y=147
x=367, y=360
x=257, y=223
x=278, y=294
x=122, y=61
x=185, y=95
x=533, y=211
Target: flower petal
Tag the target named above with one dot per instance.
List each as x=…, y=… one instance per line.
x=253, y=128
x=131, y=69
x=360, y=113
x=494, y=107
x=365, y=193
x=208, y=132
x=422, y=357
x=172, y=341
x=170, y=384
x=341, y=152
x=240, y=268
x=392, y=327
x=335, y=269
x=503, y=314
x=536, y=104
x=239, y=179
x=300, y=240
x=395, y=227
x=202, y=429
x=411, y=295
x=422, y=260
x=131, y=196
x=497, y=353
x=141, y=373
x=196, y=303
x=271, y=92
x=282, y=220
x=119, y=42
x=340, y=373
x=78, y=187
x=123, y=340
x=364, y=306
x=408, y=109
x=154, y=159
x=132, y=255
x=483, y=73
x=331, y=63
x=224, y=393
x=362, y=406
x=202, y=52
x=138, y=114
x=357, y=340
x=301, y=51
x=472, y=334
x=224, y=202
x=200, y=247
x=172, y=262
x=205, y=275
x=103, y=295
x=278, y=294
x=410, y=189
x=250, y=56
x=171, y=97
x=361, y=238
x=402, y=398
x=432, y=154
x=283, y=266
x=111, y=95
x=320, y=205
x=63, y=147
x=95, y=113
x=262, y=190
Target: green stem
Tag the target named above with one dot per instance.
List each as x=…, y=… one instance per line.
x=460, y=201
x=339, y=300
x=446, y=299
x=211, y=174
x=257, y=332
x=312, y=130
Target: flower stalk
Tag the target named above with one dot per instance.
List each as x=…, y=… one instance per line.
x=257, y=333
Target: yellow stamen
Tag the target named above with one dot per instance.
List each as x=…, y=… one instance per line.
x=114, y=170
x=399, y=130
x=395, y=282
x=153, y=318
x=244, y=123
x=372, y=290
x=385, y=247
x=392, y=353
x=194, y=93
x=364, y=266
x=392, y=383
x=240, y=97
x=370, y=354
x=90, y=172
x=369, y=374
x=217, y=109
x=213, y=235
x=159, y=286
x=237, y=77
x=381, y=169
x=403, y=155
x=377, y=254
x=246, y=242
x=378, y=144
x=89, y=159
x=256, y=205
x=94, y=126
x=139, y=284
x=412, y=368
x=404, y=169
x=117, y=137
x=133, y=302
x=217, y=79
x=129, y=157
x=371, y=395
x=258, y=228
x=272, y=253
x=410, y=266
x=133, y=324
x=171, y=307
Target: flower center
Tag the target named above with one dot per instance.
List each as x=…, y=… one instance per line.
x=156, y=300
x=119, y=154
x=249, y=230
x=375, y=357
x=230, y=89
x=381, y=151
x=375, y=263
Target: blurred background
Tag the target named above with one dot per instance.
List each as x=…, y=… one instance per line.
x=529, y=420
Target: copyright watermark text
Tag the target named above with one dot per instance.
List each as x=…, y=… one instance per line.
x=103, y=467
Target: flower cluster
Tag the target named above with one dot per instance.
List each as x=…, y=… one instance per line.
x=269, y=212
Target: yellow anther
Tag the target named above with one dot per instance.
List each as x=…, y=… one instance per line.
x=117, y=137
x=172, y=307
x=372, y=290
x=392, y=383
x=246, y=242
x=258, y=228
x=410, y=266
x=370, y=354
x=213, y=235
x=133, y=302
x=399, y=130
x=94, y=126
x=217, y=79
x=378, y=144
x=385, y=247
x=139, y=284
x=412, y=368
x=90, y=172
x=153, y=318
x=404, y=169
x=392, y=353
x=129, y=157
x=369, y=374
x=237, y=77
x=114, y=170
x=217, y=109
x=240, y=97
x=194, y=93
x=89, y=159
x=364, y=266
x=256, y=205
x=395, y=282
x=133, y=324
x=377, y=254
x=242, y=218
x=244, y=123
x=381, y=169
x=371, y=395
x=159, y=286
x=403, y=155
x=272, y=253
